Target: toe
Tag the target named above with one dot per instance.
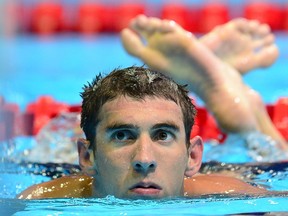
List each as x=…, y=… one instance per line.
x=131, y=42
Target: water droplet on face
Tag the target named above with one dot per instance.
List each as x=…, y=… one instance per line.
x=237, y=100
x=106, y=160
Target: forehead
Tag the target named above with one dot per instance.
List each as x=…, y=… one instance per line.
x=150, y=109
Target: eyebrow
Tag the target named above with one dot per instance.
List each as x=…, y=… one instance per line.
x=168, y=125
x=118, y=126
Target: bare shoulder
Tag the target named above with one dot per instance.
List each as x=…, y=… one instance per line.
x=64, y=187
x=203, y=184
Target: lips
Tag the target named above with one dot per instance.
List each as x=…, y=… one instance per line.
x=146, y=188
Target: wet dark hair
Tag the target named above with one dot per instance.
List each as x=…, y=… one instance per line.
x=134, y=82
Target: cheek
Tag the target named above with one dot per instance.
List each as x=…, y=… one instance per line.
x=179, y=162
x=112, y=161
x=175, y=172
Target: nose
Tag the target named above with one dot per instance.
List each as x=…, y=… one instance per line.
x=144, y=160
x=144, y=167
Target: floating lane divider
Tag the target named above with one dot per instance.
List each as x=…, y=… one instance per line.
x=93, y=17
x=37, y=114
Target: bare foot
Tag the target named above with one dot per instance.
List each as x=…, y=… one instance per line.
x=170, y=49
x=165, y=46
x=242, y=43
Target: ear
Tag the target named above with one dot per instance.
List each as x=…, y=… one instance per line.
x=85, y=155
x=195, y=156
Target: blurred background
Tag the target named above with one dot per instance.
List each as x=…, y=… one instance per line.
x=50, y=48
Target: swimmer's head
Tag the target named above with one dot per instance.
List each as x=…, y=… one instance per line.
x=136, y=83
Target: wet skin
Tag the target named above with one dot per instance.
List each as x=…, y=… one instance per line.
x=141, y=153
x=141, y=149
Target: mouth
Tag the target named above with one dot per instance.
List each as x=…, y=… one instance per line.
x=146, y=189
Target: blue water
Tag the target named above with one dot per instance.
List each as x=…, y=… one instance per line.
x=273, y=176
x=60, y=65
x=16, y=175
x=111, y=206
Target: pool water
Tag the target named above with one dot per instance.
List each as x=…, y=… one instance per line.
x=18, y=170
x=112, y=206
x=61, y=65
x=15, y=177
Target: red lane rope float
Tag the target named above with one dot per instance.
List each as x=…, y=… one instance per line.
x=178, y=13
x=92, y=17
x=47, y=18
x=285, y=17
x=43, y=110
x=212, y=15
x=123, y=13
x=280, y=116
x=8, y=115
x=39, y=113
x=265, y=12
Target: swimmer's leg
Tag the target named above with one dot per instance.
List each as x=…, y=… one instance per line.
x=264, y=121
x=172, y=50
x=247, y=45
x=244, y=44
